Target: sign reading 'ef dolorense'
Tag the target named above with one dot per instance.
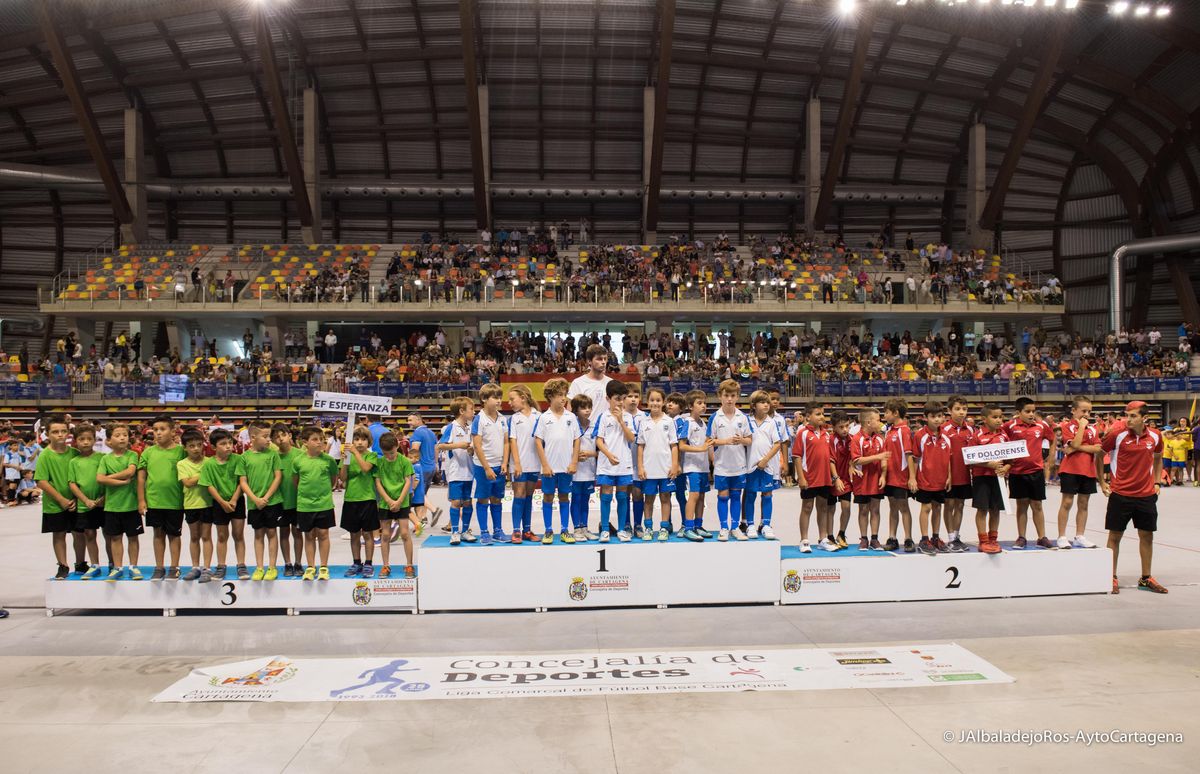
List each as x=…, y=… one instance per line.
x=994, y=452
x=345, y=403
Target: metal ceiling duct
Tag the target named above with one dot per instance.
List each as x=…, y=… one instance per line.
x=1116, y=278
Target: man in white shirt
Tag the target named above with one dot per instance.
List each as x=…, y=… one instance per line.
x=594, y=383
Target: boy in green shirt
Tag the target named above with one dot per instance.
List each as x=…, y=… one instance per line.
x=314, y=477
x=89, y=502
x=260, y=482
x=197, y=503
x=289, y=534
x=394, y=482
x=160, y=496
x=360, y=514
x=221, y=474
x=121, y=518
x=53, y=474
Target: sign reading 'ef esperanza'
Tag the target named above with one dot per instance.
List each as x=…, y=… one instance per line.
x=994, y=452
x=345, y=403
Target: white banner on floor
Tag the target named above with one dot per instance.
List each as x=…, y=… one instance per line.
x=279, y=678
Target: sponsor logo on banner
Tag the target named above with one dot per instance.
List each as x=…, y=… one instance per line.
x=578, y=589
x=854, y=661
x=361, y=594
x=273, y=673
x=823, y=575
x=608, y=582
x=393, y=588
x=792, y=582
x=957, y=678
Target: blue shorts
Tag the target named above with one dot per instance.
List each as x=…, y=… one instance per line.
x=655, y=486
x=761, y=481
x=697, y=482
x=486, y=490
x=559, y=482
x=526, y=478
x=731, y=483
x=424, y=476
x=681, y=483
x=1175, y=464
x=604, y=479
x=581, y=491
x=460, y=490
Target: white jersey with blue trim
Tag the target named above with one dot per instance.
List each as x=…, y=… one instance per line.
x=728, y=460
x=520, y=430
x=558, y=433
x=764, y=435
x=656, y=437
x=694, y=434
x=635, y=424
x=456, y=463
x=586, y=470
x=784, y=431
x=608, y=427
x=494, y=433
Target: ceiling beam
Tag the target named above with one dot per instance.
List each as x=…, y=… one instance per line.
x=858, y=61
x=374, y=83
x=466, y=16
x=666, y=36
x=283, y=121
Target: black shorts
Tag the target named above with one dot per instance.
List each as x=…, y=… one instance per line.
x=128, y=523
x=307, y=521
x=1045, y=452
x=833, y=497
x=986, y=494
x=169, y=521
x=1143, y=511
x=360, y=516
x=926, y=497
x=196, y=515
x=825, y=492
x=900, y=492
x=93, y=519
x=58, y=522
x=287, y=517
x=1076, y=484
x=218, y=516
x=400, y=515
x=862, y=499
x=265, y=518
x=959, y=492
x=1027, y=486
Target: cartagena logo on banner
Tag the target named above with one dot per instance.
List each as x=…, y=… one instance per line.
x=791, y=582
x=578, y=589
x=361, y=594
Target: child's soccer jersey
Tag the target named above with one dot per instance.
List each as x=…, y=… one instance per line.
x=586, y=470
x=608, y=427
x=763, y=436
x=656, y=437
x=864, y=445
x=558, y=433
x=694, y=434
x=456, y=464
x=494, y=433
x=898, y=442
x=1079, y=463
x=728, y=460
x=812, y=447
x=932, y=453
x=520, y=430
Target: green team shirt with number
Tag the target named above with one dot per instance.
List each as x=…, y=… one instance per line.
x=195, y=497
x=163, y=491
x=314, y=491
x=392, y=474
x=56, y=469
x=83, y=475
x=120, y=499
x=360, y=484
x=287, y=487
x=260, y=472
x=222, y=476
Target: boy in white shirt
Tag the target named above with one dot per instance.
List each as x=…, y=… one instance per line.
x=584, y=482
x=455, y=446
x=730, y=431
x=658, y=462
x=613, y=432
x=556, y=440
x=763, y=461
x=696, y=449
x=523, y=460
x=677, y=409
x=489, y=439
x=633, y=399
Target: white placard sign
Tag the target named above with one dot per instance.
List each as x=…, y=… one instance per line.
x=388, y=678
x=345, y=403
x=994, y=452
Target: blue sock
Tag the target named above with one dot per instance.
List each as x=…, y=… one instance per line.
x=564, y=516
x=681, y=496
x=735, y=509
x=748, y=506
x=639, y=509
x=606, y=499
x=527, y=513
x=623, y=511
x=481, y=515
x=723, y=510
x=455, y=515
x=466, y=516
x=547, y=512
x=497, y=517
x=768, y=506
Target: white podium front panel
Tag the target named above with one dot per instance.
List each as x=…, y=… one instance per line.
x=851, y=575
x=534, y=576
x=338, y=593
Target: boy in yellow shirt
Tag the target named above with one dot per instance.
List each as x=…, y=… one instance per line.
x=1175, y=449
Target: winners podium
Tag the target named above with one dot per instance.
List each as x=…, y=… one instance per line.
x=532, y=576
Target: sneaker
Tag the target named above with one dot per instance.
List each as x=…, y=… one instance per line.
x=436, y=517
x=909, y=547
x=410, y=571
x=1082, y=542
x=1116, y=587
x=841, y=540
x=258, y=574
x=135, y=573
x=92, y=572
x=1044, y=542
x=692, y=535
x=271, y=574
x=455, y=538
x=605, y=536
x=310, y=573
x=957, y=546
x=353, y=571
x=645, y=534
x=206, y=576
x=723, y=536
x=589, y=535
x=529, y=536
x=990, y=546
x=1149, y=584
x=927, y=547
x=1020, y=544
x=737, y=533
x=445, y=528
x=469, y=537
x=485, y=539
x=1063, y=542
x=368, y=571
x=114, y=574
x=548, y=539
x=385, y=571
x=827, y=545
x=242, y=573
x=767, y=533
x=752, y=532
x=805, y=548
x=323, y=574
x=702, y=532
x=876, y=545
x=219, y=573
x=501, y=537
x=158, y=574
x=81, y=567
x=624, y=536
x=663, y=535
x=940, y=545
x=62, y=572
x=638, y=531
x=863, y=544
x=192, y=574
x=566, y=537
x=892, y=544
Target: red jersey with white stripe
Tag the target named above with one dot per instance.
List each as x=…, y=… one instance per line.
x=1078, y=463
x=1032, y=433
x=898, y=442
x=933, y=451
x=985, y=437
x=1133, y=460
x=863, y=445
x=960, y=436
x=839, y=449
x=811, y=447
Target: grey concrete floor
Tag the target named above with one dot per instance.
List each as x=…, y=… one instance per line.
x=76, y=687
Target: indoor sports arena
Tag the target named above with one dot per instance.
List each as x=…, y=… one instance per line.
x=624, y=360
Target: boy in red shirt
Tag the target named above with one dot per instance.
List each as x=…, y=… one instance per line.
x=1027, y=476
x=1133, y=493
x=898, y=443
x=814, y=473
x=1077, y=473
x=929, y=478
x=867, y=477
x=839, y=450
x=986, y=497
x=960, y=431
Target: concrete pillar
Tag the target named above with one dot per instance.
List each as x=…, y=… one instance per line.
x=977, y=187
x=812, y=165
x=85, y=333
x=310, y=333
x=312, y=167
x=648, y=237
x=135, y=181
x=276, y=326
x=486, y=142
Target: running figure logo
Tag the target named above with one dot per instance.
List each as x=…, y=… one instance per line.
x=387, y=677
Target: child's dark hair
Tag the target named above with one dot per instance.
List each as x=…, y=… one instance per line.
x=279, y=428
x=579, y=402
x=934, y=407
x=897, y=406
x=218, y=435
x=838, y=417
x=167, y=418
x=309, y=431
x=191, y=435
x=1021, y=403
x=616, y=389
x=388, y=441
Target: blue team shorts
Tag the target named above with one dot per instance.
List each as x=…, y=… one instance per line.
x=761, y=481
x=484, y=489
x=423, y=476
x=731, y=483
x=1175, y=464
x=655, y=486
x=697, y=482
x=581, y=491
x=559, y=482
x=681, y=483
x=526, y=478
x=604, y=479
x=460, y=490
